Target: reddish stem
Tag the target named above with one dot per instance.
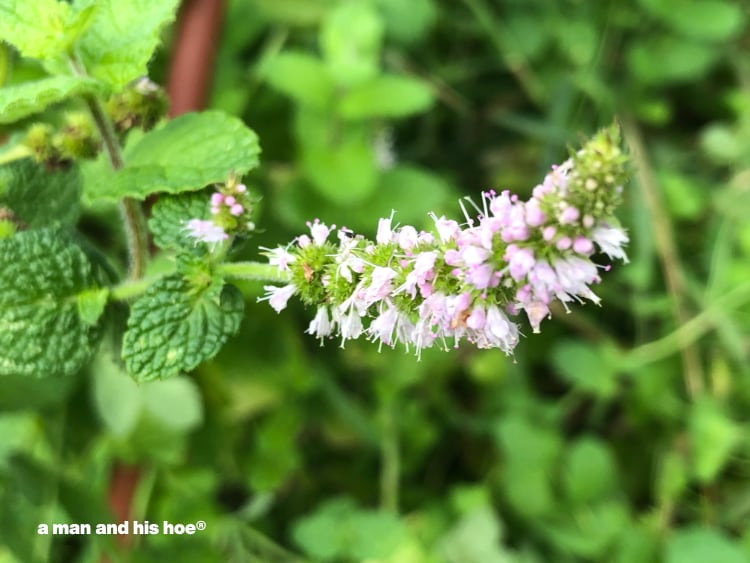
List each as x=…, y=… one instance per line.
x=121, y=490
x=194, y=55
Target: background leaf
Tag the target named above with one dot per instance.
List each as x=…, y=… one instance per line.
x=302, y=77
x=585, y=366
x=696, y=545
x=386, y=96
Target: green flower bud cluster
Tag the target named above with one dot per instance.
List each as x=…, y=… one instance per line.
x=600, y=169
x=57, y=147
x=142, y=104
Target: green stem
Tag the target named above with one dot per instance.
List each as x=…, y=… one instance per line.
x=135, y=222
x=255, y=271
x=130, y=209
x=390, y=460
x=131, y=288
x=668, y=255
x=252, y=271
x=690, y=331
x=42, y=547
x=500, y=35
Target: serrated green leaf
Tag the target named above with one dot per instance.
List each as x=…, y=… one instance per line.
x=188, y=153
x=302, y=77
x=172, y=328
x=168, y=217
x=41, y=332
x=21, y=100
x=122, y=38
x=37, y=29
x=38, y=197
x=386, y=96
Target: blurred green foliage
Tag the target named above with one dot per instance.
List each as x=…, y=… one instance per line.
x=617, y=435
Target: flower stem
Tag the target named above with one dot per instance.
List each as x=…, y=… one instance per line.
x=130, y=209
x=132, y=214
x=252, y=271
x=669, y=256
x=131, y=288
x=390, y=460
x=257, y=271
x=689, y=331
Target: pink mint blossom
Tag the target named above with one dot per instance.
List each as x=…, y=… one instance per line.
x=611, y=240
x=447, y=228
x=321, y=326
x=279, y=257
x=278, y=297
x=205, y=231
x=384, y=231
x=319, y=232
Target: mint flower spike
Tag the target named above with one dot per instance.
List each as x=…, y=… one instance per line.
x=465, y=281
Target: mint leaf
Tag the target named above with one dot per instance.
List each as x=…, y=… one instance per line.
x=302, y=77
x=172, y=328
x=121, y=402
x=696, y=544
x=176, y=403
x=169, y=215
x=38, y=197
x=21, y=100
x=188, y=153
x=38, y=28
x=41, y=332
x=345, y=173
x=118, y=46
x=386, y=96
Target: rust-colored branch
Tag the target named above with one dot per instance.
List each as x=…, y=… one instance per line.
x=123, y=483
x=190, y=74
